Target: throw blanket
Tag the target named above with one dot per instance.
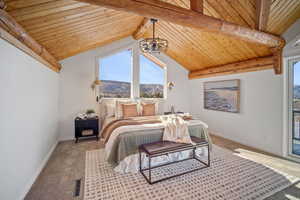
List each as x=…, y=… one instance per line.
x=176, y=129
x=107, y=131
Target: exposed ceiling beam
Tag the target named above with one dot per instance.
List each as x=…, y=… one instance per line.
x=174, y=14
x=233, y=68
x=142, y=29
x=2, y=4
x=12, y=27
x=277, y=55
x=262, y=14
x=197, y=5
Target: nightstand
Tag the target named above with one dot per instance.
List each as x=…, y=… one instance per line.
x=86, y=128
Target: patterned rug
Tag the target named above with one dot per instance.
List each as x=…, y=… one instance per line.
x=228, y=177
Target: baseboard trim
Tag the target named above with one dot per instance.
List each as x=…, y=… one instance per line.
x=247, y=145
x=62, y=139
x=66, y=139
x=38, y=171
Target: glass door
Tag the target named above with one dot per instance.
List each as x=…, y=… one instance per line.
x=295, y=140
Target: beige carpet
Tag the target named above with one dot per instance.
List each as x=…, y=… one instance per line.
x=229, y=177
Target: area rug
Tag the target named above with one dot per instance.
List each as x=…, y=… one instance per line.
x=228, y=177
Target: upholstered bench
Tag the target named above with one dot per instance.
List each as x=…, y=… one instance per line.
x=156, y=149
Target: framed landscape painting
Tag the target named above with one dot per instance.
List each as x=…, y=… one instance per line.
x=222, y=95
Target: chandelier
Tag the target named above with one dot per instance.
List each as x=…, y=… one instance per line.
x=154, y=44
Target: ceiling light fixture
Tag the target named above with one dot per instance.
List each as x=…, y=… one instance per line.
x=154, y=44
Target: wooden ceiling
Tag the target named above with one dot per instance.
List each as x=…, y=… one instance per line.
x=196, y=49
x=68, y=27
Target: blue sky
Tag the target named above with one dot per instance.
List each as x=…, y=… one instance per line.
x=118, y=67
x=297, y=73
x=150, y=72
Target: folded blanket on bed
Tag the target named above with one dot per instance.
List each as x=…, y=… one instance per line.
x=107, y=131
x=113, y=125
x=176, y=129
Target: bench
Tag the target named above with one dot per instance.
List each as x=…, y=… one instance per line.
x=160, y=148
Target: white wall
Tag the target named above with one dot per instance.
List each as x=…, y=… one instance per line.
x=28, y=119
x=259, y=123
x=79, y=72
x=291, y=36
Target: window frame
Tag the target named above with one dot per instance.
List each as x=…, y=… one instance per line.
x=161, y=64
x=288, y=108
x=108, y=54
x=135, y=72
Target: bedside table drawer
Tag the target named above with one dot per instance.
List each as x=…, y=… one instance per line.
x=86, y=123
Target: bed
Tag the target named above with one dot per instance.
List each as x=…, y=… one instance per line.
x=123, y=136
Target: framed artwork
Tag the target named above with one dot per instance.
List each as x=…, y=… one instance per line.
x=222, y=95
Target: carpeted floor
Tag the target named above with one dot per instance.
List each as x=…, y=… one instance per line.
x=67, y=164
x=229, y=177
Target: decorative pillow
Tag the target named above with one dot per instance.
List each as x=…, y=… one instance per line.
x=148, y=102
x=129, y=110
x=148, y=109
x=119, y=110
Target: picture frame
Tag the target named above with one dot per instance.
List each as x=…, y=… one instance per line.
x=222, y=95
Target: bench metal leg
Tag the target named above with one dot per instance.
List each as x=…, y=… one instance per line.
x=208, y=156
x=149, y=178
x=140, y=159
x=150, y=169
x=194, y=149
x=141, y=169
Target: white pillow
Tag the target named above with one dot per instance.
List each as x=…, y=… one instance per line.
x=119, y=110
x=110, y=109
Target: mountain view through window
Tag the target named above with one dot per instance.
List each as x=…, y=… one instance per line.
x=152, y=77
x=115, y=75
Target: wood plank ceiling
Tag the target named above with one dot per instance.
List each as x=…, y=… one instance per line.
x=196, y=49
x=67, y=27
